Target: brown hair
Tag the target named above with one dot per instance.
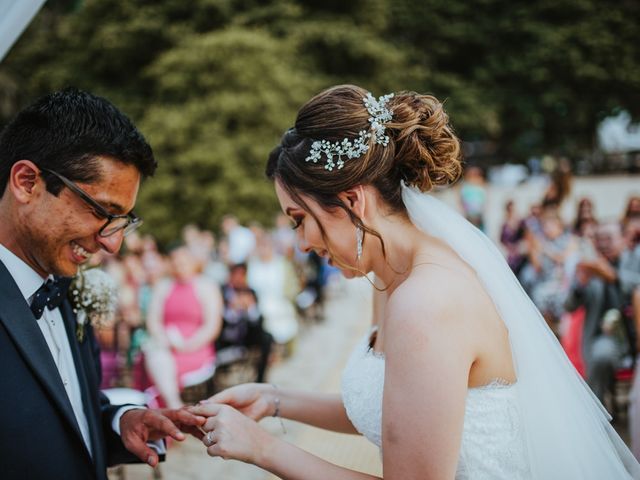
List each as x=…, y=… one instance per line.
x=423, y=150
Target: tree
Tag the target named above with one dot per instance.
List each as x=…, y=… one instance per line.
x=222, y=101
x=538, y=76
x=214, y=83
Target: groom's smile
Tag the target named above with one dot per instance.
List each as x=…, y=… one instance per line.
x=81, y=255
x=64, y=230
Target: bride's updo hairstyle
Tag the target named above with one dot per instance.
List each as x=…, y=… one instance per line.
x=422, y=149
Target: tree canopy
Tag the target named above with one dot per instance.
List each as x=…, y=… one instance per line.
x=214, y=83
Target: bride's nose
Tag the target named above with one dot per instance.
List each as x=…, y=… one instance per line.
x=303, y=245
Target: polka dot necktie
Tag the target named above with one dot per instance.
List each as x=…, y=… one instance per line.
x=49, y=295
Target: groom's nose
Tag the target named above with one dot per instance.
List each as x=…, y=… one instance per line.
x=111, y=243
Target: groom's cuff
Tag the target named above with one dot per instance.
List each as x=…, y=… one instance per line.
x=115, y=423
x=157, y=445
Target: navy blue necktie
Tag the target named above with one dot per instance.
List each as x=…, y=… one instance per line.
x=49, y=295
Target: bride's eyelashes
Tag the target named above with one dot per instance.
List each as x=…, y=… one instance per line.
x=297, y=221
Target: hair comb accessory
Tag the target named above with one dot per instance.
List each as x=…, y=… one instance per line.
x=337, y=152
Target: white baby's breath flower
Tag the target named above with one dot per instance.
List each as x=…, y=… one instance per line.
x=94, y=297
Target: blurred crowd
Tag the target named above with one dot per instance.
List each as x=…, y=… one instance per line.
x=584, y=277
x=205, y=302
x=201, y=303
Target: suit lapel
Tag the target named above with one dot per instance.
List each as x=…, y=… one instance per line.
x=83, y=361
x=23, y=329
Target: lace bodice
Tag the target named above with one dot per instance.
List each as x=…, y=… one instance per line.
x=492, y=439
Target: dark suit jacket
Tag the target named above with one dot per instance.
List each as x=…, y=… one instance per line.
x=39, y=434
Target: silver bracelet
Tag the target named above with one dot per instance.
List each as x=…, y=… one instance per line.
x=276, y=411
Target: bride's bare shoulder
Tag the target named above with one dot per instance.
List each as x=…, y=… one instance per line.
x=435, y=293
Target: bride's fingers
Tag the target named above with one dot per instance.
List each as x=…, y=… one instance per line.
x=224, y=396
x=216, y=450
x=210, y=424
x=206, y=409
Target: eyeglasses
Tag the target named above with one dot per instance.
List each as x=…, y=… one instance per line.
x=114, y=223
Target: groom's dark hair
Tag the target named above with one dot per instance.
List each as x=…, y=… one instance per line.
x=65, y=132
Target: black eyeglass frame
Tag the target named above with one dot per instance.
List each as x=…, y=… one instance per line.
x=133, y=221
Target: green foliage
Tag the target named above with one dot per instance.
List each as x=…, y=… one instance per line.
x=214, y=83
x=221, y=103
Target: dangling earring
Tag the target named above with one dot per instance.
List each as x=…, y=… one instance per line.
x=359, y=236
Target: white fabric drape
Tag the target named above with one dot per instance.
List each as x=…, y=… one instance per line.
x=567, y=430
x=15, y=15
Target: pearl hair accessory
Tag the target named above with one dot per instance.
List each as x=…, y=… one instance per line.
x=347, y=148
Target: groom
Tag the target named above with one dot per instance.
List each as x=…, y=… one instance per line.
x=70, y=168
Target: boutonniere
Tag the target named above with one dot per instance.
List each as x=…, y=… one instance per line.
x=93, y=294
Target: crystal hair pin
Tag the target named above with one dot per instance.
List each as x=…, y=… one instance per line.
x=337, y=152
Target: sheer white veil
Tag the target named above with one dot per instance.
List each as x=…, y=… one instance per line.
x=567, y=430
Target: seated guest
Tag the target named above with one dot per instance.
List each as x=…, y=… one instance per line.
x=243, y=322
x=599, y=287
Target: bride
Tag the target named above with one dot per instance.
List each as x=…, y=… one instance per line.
x=459, y=376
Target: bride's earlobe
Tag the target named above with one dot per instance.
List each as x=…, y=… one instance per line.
x=354, y=199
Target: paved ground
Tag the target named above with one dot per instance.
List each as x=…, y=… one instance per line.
x=322, y=350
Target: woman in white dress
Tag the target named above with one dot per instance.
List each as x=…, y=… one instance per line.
x=460, y=377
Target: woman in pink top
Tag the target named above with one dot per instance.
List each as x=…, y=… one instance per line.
x=184, y=320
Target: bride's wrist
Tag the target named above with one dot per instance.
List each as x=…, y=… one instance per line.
x=266, y=452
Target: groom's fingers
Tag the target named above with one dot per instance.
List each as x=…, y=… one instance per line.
x=141, y=450
x=160, y=426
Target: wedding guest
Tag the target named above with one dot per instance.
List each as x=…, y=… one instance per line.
x=284, y=238
x=240, y=240
x=473, y=196
x=272, y=277
x=70, y=168
x=600, y=287
x=183, y=322
x=632, y=211
x=584, y=215
x=512, y=238
x=559, y=186
x=545, y=276
x=631, y=258
x=243, y=320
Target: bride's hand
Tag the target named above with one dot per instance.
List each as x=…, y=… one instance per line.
x=255, y=400
x=232, y=435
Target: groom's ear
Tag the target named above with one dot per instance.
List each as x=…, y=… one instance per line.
x=23, y=180
x=354, y=199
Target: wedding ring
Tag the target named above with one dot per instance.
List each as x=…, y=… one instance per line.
x=209, y=438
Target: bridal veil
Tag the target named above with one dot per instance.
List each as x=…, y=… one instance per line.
x=567, y=430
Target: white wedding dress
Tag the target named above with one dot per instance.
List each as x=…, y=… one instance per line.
x=492, y=440
x=548, y=425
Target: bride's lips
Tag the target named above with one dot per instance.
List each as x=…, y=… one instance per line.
x=79, y=254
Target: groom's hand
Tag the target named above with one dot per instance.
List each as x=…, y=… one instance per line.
x=139, y=426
